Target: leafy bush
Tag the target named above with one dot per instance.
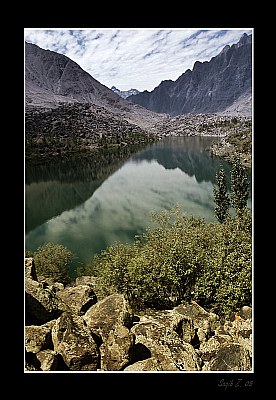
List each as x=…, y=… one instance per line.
x=226, y=277
x=52, y=261
x=182, y=258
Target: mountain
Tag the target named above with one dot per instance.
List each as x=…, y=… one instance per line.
x=125, y=93
x=52, y=78
x=56, y=76
x=223, y=83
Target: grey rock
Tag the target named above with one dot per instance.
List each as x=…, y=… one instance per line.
x=117, y=349
x=245, y=312
x=86, y=280
x=240, y=329
x=211, y=86
x=210, y=348
x=52, y=78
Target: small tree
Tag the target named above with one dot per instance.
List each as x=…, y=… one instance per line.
x=239, y=186
x=221, y=197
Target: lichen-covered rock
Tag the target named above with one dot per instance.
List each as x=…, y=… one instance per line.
x=193, y=323
x=105, y=314
x=39, y=337
x=229, y=357
x=110, y=319
x=78, y=298
x=48, y=281
x=163, y=348
x=152, y=364
x=73, y=340
x=240, y=329
x=48, y=359
x=117, y=350
x=65, y=332
x=41, y=303
x=210, y=348
x=245, y=312
x=30, y=271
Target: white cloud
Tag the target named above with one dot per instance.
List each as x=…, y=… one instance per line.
x=135, y=58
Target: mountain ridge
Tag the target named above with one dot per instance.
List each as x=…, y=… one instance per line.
x=52, y=78
x=210, y=87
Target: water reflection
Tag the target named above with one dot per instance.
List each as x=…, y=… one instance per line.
x=94, y=209
x=55, y=187
x=188, y=154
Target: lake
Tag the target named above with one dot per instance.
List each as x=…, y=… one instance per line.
x=90, y=203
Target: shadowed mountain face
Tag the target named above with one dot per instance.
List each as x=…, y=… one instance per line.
x=57, y=75
x=210, y=87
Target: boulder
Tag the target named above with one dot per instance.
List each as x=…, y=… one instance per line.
x=74, y=341
x=38, y=338
x=78, y=298
x=240, y=330
x=209, y=349
x=68, y=330
x=152, y=364
x=117, y=349
x=110, y=320
x=49, y=360
x=229, y=357
x=193, y=323
x=41, y=303
x=47, y=281
x=161, y=347
x=245, y=312
x=30, y=271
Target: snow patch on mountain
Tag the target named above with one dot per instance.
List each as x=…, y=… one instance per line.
x=125, y=93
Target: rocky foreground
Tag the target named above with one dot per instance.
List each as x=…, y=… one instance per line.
x=69, y=329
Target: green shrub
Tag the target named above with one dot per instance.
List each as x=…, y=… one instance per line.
x=226, y=277
x=52, y=261
x=182, y=258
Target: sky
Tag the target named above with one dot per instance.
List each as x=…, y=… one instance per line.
x=135, y=58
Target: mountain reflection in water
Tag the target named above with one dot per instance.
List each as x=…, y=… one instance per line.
x=91, y=204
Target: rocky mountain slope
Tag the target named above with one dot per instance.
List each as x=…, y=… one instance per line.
x=210, y=87
x=66, y=108
x=52, y=78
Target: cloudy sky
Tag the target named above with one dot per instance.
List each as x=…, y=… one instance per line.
x=135, y=58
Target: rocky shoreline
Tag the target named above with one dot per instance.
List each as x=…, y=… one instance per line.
x=83, y=127
x=69, y=329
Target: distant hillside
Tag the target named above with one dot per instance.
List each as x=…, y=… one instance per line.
x=222, y=83
x=52, y=78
